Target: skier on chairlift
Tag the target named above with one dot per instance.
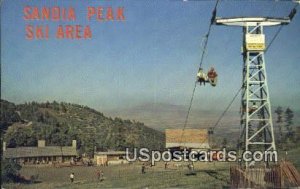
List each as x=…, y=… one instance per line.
x=212, y=76
x=201, y=77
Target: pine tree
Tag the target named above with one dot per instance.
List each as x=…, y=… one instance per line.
x=289, y=115
x=224, y=142
x=279, y=121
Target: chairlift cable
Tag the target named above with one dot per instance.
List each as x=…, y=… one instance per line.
x=214, y=12
x=224, y=112
x=291, y=15
x=227, y=108
x=273, y=39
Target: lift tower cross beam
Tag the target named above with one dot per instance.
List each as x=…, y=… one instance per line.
x=256, y=116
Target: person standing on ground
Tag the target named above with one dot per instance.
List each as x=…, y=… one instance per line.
x=98, y=174
x=72, y=177
x=143, y=168
x=101, y=175
x=166, y=165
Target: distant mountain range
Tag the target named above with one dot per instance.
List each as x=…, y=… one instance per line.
x=164, y=116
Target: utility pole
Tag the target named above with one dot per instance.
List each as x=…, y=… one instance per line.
x=256, y=115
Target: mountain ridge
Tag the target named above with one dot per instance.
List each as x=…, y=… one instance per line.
x=59, y=123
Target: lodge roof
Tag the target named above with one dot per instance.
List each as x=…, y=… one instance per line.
x=186, y=136
x=21, y=152
x=111, y=153
x=190, y=138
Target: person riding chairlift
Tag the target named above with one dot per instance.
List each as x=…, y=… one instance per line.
x=212, y=76
x=212, y=73
x=201, y=77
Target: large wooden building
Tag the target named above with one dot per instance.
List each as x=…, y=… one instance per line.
x=41, y=154
x=110, y=157
x=188, y=138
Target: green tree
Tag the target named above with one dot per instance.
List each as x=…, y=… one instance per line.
x=63, y=107
x=289, y=115
x=9, y=170
x=279, y=121
x=55, y=105
x=20, y=136
x=224, y=142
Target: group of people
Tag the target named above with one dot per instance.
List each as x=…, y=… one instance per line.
x=99, y=175
x=211, y=76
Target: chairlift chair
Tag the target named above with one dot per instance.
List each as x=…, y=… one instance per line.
x=211, y=77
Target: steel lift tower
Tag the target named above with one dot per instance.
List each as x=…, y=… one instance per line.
x=256, y=116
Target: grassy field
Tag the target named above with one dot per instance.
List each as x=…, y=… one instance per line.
x=208, y=175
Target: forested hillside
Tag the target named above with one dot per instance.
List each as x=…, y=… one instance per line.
x=60, y=123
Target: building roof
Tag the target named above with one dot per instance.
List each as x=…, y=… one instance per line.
x=190, y=138
x=188, y=145
x=111, y=153
x=22, y=152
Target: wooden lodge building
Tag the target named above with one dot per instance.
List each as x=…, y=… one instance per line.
x=41, y=154
x=110, y=158
x=193, y=139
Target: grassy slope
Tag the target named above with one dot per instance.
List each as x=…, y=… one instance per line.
x=209, y=175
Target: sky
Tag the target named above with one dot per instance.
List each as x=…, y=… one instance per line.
x=151, y=57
